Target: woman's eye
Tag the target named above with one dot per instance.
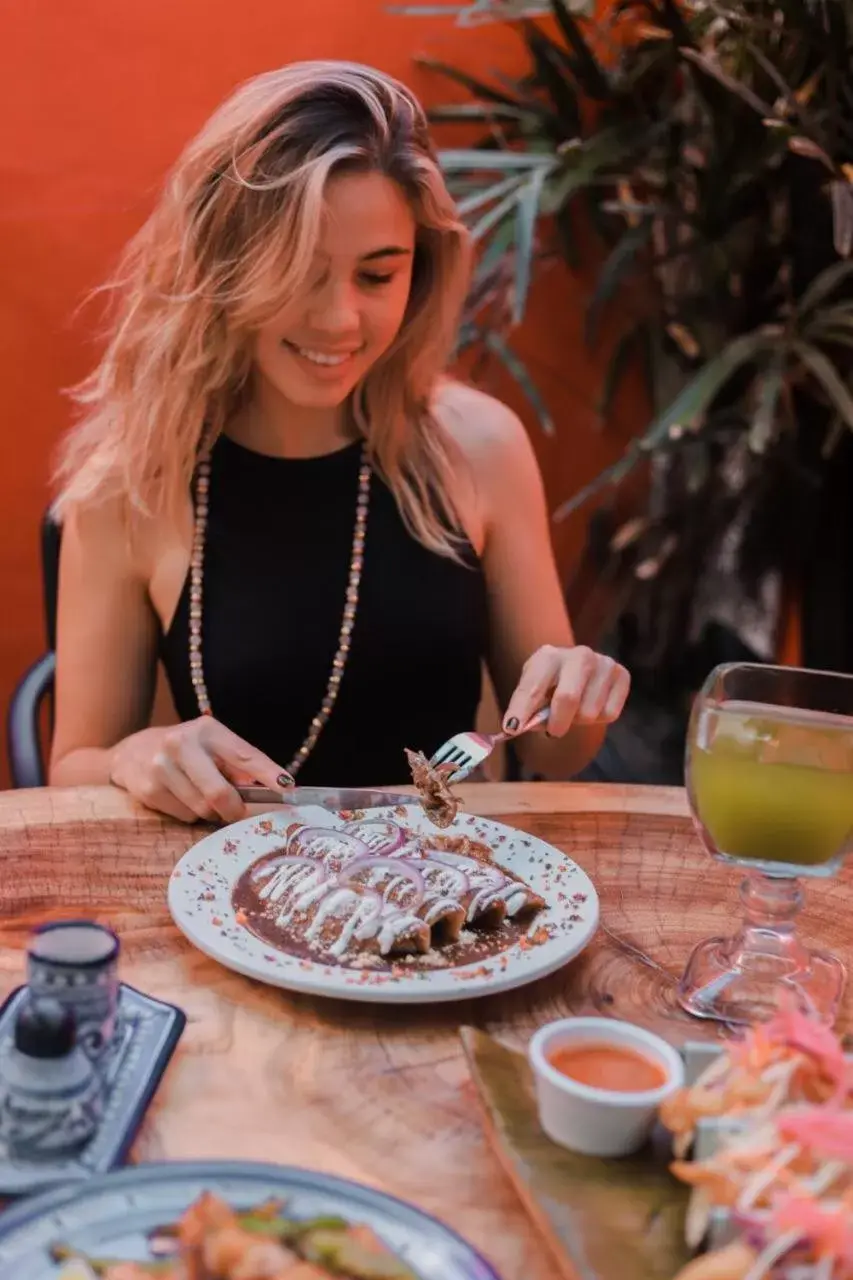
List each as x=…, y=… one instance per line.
x=371, y=278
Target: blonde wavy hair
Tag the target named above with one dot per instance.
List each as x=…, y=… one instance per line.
x=231, y=239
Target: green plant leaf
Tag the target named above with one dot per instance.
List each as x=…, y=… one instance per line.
x=619, y=361
x=587, y=163
x=841, y=196
x=551, y=75
x=668, y=14
x=841, y=336
x=823, y=285
x=734, y=85
x=565, y=226
x=699, y=393
x=829, y=324
x=469, y=334
x=477, y=88
x=506, y=161
x=591, y=75
x=609, y=478
x=465, y=112
x=516, y=367
x=525, y=230
x=620, y=263
x=495, y=191
x=825, y=372
x=771, y=383
x=493, y=216
x=834, y=433
x=499, y=244
x=684, y=409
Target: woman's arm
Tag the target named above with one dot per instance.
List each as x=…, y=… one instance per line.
x=533, y=660
x=106, y=666
x=106, y=647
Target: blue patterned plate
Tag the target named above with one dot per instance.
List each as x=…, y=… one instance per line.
x=111, y=1216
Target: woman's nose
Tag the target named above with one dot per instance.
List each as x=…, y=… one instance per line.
x=335, y=310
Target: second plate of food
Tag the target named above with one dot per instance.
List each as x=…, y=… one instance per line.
x=243, y=1219
x=380, y=906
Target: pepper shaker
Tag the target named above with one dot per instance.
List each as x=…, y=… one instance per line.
x=50, y=1093
x=76, y=962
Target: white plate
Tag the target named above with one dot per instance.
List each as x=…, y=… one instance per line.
x=201, y=886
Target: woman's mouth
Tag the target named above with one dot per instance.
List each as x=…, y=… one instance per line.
x=321, y=359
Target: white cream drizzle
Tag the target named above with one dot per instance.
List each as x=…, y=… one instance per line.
x=297, y=887
x=492, y=885
x=379, y=907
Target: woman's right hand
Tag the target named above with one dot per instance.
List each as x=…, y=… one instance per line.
x=190, y=771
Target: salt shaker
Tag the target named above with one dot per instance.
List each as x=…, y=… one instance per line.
x=50, y=1092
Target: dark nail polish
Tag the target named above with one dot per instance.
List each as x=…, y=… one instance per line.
x=284, y=780
x=512, y=724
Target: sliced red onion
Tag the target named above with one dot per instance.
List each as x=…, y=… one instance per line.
x=380, y=835
x=396, y=867
x=322, y=843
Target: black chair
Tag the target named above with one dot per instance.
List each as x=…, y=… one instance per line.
x=24, y=717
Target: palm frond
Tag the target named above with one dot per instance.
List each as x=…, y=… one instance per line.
x=711, y=153
x=826, y=374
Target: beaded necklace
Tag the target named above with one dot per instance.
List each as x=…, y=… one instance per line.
x=202, y=505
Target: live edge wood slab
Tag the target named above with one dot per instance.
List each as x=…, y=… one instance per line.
x=382, y=1095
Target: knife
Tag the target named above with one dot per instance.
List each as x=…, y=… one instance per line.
x=332, y=798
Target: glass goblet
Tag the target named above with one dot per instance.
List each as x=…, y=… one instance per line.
x=769, y=773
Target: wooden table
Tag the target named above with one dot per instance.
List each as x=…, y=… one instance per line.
x=380, y=1095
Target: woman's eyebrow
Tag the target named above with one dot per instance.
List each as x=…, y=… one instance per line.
x=391, y=250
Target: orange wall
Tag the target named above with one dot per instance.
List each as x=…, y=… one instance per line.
x=96, y=98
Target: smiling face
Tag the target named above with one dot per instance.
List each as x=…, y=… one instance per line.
x=321, y=345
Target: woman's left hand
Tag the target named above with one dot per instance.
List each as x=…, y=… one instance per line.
x=579, y=686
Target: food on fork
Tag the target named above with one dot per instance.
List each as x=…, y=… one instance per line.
x=213, y=1241
x=372, y=892
x=437, y=800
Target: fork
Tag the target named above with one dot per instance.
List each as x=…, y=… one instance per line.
x=464, y=752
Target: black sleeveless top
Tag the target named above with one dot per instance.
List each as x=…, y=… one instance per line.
x=276, y=563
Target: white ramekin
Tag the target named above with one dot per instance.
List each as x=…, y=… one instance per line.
x=599, y=1122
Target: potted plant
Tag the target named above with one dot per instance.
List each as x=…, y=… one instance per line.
x=709, y=146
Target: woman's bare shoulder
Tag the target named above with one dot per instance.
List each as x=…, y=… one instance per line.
x=488, y=433
x=117, y=537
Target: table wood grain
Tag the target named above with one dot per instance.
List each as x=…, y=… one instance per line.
x=378, y=1094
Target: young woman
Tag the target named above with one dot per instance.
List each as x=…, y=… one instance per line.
x=275, y=490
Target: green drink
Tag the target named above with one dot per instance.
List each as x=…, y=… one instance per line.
x=773, y=783
x=770, y=780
